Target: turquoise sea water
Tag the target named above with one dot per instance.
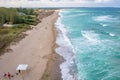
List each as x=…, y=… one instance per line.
x=89, y=40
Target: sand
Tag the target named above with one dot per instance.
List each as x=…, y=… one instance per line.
x=36, y=50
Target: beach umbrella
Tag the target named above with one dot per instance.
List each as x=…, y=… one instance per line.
x=22, y=67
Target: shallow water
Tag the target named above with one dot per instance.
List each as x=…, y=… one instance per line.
x=89, y=40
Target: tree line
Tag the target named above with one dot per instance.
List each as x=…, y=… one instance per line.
x=17, y=16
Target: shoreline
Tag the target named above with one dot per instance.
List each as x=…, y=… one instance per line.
x=53, y=65
x=38, y=51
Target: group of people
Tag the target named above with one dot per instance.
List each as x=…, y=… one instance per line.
x=9, y=76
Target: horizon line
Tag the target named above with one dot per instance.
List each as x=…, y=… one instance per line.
x=61, y=7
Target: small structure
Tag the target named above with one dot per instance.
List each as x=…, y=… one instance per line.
x=22, y=67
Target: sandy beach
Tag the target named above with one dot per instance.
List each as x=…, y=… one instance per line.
x=36, y=50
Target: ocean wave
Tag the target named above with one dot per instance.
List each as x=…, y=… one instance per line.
x=104, y=18
x=65, y=49
x=104, y=25
x=71, y=10
x=91, y=36
x=77, y=15
x=65, y=11
x=111, y=34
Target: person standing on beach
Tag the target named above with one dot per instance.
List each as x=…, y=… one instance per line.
x=9, y=76
x=19, y=71
x=4, y=75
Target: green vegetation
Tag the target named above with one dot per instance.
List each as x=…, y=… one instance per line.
x=10, y=34
x=20, y=18
x=17, y=16
x=7, y=15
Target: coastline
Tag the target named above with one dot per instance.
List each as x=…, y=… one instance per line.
x=53, y=71
x=37, y=51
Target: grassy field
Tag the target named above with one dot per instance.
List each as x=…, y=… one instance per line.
x=10, y=34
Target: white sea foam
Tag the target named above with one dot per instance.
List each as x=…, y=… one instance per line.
x=63, y=11
x=104, y=18
x=65, y=49
x=91, y=36
x=104, y=25
x=82, y=14
x=111, y=34
x=73, y=10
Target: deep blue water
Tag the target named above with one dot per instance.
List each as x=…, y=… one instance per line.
x=89, y=40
